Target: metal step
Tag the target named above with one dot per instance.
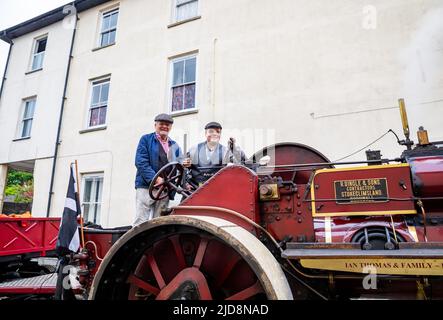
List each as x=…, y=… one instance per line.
x=44, y=284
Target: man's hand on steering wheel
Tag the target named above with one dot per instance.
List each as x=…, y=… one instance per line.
x=159, y=181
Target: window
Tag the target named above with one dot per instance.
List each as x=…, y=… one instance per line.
x=27, y=118
x=92, y=197
x=99, y=103
x=185, y=9
x=38, y=53
x=108, y=28
x=183, y=83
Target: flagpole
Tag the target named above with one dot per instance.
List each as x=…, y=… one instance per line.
x=82, y=235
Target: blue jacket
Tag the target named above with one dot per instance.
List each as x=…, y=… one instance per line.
x=146, y=158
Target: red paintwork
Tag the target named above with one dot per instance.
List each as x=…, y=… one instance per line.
x=427, y=175
x=26, y=235
x=103, y=241
x=324, y=189
x=292, y=153
x=49, y=290
x=233, y=188
x=433, y=233
x=289, y=216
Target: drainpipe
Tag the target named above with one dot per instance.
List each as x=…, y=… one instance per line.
x=7, y=61
x=57, y=141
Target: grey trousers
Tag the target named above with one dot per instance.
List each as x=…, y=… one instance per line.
x=146, y=208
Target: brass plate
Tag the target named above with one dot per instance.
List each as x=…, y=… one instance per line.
x=421, y=267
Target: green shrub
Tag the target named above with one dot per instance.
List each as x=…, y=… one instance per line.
x=20, y=185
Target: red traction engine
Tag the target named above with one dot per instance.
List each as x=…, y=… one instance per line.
x=289, y=224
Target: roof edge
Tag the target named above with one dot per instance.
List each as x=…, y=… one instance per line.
x=45, y=19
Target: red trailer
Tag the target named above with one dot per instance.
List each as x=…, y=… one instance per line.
x=21, y=240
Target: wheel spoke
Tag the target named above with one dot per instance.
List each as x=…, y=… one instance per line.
x=247, y=293
x=200, y=252
x=171, y=173
x=158, y=185
x=132, y=279
x=227, y=270
x=141, y=266
x=160, y=190
x=175, y=240
x=156, y=271
x=163, y=174
x=175, y=177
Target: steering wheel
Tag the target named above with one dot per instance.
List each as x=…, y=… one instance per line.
x=172, y=175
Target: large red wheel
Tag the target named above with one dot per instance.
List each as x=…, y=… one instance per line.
x=181, y=260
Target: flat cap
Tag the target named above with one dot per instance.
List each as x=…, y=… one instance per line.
x=164, y=117
x=213, y=125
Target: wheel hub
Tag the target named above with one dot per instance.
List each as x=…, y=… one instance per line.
x=189, y=284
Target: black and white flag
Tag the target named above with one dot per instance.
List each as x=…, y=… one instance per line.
x=68, y=236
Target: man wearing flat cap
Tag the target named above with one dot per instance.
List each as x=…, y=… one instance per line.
x=154, y=151
x=206, y=158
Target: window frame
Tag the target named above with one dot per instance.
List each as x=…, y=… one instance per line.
x=98, y=176
x=109, y=12
x=91, y=106
x=37, y=40
x=171, y=81
x=175, y=11
x=22, y=118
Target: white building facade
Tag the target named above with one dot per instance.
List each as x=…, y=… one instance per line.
x=323, y=73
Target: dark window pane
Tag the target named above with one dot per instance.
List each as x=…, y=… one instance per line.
x=86, y=209
x=41, y=45
x=112, y=37
x=105, y=24
x=37, y=62
x=94, y=117
x=27, y=113
x=95, y=94
x=178, y=73
x=87, y=191
x=97, y=191
x=105, y=92
x=102, y=115
x=177, y=98
x=186, y=10
x=190, y=70
x=113, y=22
x=96, y=212
x=29, y=109
x=27, y=124
x=189, y=96
x=105, y=39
